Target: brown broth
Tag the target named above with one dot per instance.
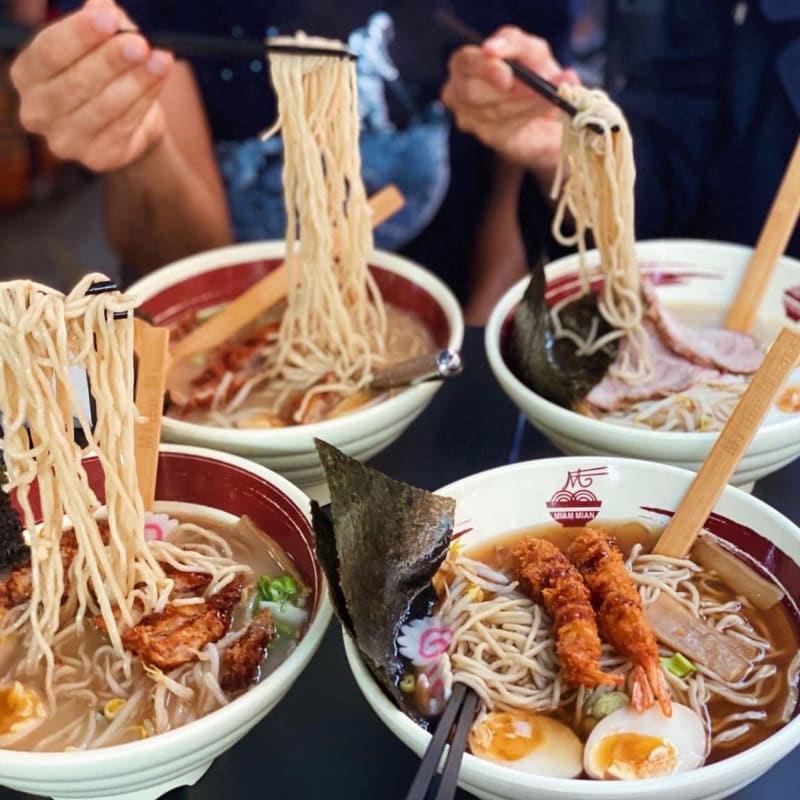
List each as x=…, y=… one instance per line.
x=775, y=623
x=406, y=337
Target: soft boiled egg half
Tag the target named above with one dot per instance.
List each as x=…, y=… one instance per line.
x=630, y=744
x=529, y=742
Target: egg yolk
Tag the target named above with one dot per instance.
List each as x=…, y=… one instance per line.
x=506, y=736
x=627, y=756
x=18, y=705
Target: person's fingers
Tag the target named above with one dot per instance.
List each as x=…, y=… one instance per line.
x=472, y=62
x=121, y=101
x=84, y=81
x=116, y=145
x=531, y=51
x=64, y=42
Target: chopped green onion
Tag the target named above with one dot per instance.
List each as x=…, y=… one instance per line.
x=608, y=703
x=283, y=628
x=407, y=683
x=678, y=665
x=276, y=590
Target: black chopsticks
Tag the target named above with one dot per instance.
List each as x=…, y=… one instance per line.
x=100, y=287
x=198, y=45
x=463, y=703
x=193, y=45
x=530, y=78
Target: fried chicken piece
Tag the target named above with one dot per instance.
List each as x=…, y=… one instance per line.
x=241, y=662
x=546, y=573
x=187, y=584
x=18, y=588
x=176, y=635
x=620, y=616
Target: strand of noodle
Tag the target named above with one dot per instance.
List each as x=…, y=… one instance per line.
x=594, y=187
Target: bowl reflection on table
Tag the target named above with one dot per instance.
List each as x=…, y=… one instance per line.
x=698, y=278
x=218, y=276
x=515, y=497
x=210, y=482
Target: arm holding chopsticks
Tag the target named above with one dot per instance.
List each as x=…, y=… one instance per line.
x=490, y=103
x=119, y=107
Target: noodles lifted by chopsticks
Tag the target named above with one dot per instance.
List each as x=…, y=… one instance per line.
x=335, y=323
x=594, y=189
x=42, y=334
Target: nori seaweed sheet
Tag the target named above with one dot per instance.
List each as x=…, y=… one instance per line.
x=12, y=546
x=380, y=548
x=549, y=365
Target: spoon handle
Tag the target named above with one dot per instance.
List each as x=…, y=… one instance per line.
x=704, y=491
x=772, y=241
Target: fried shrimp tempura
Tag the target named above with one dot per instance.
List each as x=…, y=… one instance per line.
x=620, y=616
x=545, y=572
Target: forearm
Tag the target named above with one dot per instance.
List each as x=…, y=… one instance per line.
x=159, y=209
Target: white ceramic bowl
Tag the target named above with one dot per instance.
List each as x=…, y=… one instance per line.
x=146, y=769
x=514, y=497
x=699, y=275
x=216, y=276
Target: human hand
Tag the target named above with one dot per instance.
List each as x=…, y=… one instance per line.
x=91, y=93
x=489, y=102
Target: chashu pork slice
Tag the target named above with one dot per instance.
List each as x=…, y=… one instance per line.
x=670, y=374
x=726, y=350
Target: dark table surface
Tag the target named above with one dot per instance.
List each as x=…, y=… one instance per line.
x=323, y=741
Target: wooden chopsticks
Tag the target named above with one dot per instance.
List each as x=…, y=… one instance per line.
x=714, y=473
x=778, y=228
x=461, y=707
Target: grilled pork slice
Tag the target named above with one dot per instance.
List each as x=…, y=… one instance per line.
x=670, y=374
x=730, y=351
x=176, y=635
x=241, y=662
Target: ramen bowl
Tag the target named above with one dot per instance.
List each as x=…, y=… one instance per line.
x=218, y=276
x=698, y=281
x=575, y=491
x=225, y=486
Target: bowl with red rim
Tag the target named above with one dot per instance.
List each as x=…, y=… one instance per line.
x=568, y=493
x=224, y=487
x=694, y=279
x=217, y=276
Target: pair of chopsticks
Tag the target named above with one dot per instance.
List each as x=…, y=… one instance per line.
x=460, y=708
x=188, y=45
x=530, y=78
x=152, y=347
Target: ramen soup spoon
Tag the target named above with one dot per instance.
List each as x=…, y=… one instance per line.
x=706, y=488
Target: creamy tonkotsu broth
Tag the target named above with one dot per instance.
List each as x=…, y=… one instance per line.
x=505, y=647
x=101, y=700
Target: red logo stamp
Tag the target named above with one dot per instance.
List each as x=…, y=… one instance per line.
x=573, y=504
x=791, y=303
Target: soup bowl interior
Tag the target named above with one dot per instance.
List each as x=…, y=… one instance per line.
x=697, y=281
x=218, y=276
x=205, y=482
x=573, y=491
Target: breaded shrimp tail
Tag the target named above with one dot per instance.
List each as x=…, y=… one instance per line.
x=620, y=617
x=546, y=574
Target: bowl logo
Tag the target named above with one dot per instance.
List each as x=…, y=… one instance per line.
x=574, y=505
x=791, y=303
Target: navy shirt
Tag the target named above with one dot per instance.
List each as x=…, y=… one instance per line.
x=711, y=91
x=407, y=137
